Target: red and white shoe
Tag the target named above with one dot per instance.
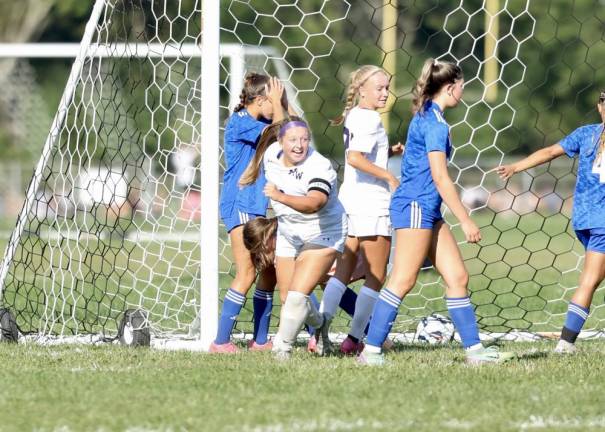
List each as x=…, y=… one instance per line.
x=349, y=347
x=226, y=348
x=253, y=346
x=312, y=344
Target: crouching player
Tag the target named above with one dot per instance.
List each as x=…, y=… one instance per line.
x=588, y=144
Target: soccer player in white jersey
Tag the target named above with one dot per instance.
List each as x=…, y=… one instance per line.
x=588, y=144
x=415, y=212
x=301, y=185
x=365, y=194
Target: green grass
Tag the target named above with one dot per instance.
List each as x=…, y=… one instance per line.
x=424, y=388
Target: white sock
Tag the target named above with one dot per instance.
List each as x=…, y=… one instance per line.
x=314, y=317
x=331, y=298
x=293, y=315
x=364, y=305
x=474, y=347
x=372, y=349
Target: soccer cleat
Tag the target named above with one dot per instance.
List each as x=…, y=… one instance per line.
x=226, y=348
x=322, y=338
x=490, y=354
x=253, y=346
x=564, y=347
x=371, y=359
x=312, y=345
x=349, y=347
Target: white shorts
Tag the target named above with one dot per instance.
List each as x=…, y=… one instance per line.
x=367, y=226
x=290, y=245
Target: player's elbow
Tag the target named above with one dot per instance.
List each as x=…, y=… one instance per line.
x=353, y=159
x=314, y=205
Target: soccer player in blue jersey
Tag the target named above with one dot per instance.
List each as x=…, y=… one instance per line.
x=588, y=144
x=260, y=103
x=415, y=213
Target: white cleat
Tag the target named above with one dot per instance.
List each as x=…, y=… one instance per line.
x=564, y=347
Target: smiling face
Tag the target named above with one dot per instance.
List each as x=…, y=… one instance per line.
x=374, y=92
x=295, y=145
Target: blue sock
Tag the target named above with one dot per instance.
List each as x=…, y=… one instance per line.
x=383, y=317
x=263, y=305
x=462, y=314
x=574, y=321
x=347, y=301
x=313, y=299
x=232, y=305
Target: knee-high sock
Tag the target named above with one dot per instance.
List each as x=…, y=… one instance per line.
x=462, y=314
x=314, y=318
x=347, y=301
x=332, y=295
x=294, y=313
x=363, y=310
x=383, y=317
x=574, y=321
x=232, y=305
x=263, y=305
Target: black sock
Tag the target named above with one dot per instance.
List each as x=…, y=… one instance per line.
x=569, y=335
x=353, y=338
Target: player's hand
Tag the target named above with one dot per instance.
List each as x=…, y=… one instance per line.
x=397, y=149
x=393, y=183
x=271, y=191
x=471, y=231
x=274, y=90
x=506, y=171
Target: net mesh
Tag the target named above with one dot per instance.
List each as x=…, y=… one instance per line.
x=115, y=219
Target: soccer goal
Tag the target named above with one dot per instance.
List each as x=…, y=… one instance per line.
x=111, y=224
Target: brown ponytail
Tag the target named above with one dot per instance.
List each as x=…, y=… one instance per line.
x=254, y=86
x=258, y=240
x=356, y=80
x=435, y=74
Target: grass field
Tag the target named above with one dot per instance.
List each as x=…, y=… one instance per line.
x=424, y=388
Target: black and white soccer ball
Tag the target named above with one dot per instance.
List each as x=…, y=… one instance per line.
x=435, y=329
x=134, y=329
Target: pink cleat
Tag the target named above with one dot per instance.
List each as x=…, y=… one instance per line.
x=312, y=345
x=253, y=346
x=349, y=347
x=226, y=348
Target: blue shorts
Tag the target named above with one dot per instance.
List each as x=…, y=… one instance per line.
x=238, y=218
x=413, y=215
x=593, y=239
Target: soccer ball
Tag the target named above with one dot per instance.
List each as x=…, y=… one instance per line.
x=434, y=329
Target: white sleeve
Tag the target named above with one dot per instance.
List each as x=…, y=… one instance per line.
x=322, y=177
x=363, y=131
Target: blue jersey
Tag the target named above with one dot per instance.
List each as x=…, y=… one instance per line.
x=241, y=136
x=589, y=196
x=428, y=132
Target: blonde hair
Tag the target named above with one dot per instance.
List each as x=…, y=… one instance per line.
x=435, y=74
x=258, y=235
x=254, y=86
x=269, y=135
x=356, y=80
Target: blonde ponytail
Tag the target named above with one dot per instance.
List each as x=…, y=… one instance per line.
x=356, y=80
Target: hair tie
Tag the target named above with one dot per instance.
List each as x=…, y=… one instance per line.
x=290, y=125
x=435, y=62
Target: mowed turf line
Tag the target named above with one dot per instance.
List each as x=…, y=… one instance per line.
x=425, y=388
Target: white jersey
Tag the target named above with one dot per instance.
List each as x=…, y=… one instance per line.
x=314, y=173
x=362, y=193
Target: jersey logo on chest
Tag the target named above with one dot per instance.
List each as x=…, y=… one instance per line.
x=295, y=173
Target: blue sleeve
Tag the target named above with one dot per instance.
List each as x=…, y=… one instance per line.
x=436, y=137
x=250, y=131
x=572, y=142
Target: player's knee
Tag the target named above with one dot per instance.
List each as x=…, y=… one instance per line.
x=402, y=284
x=459, y=280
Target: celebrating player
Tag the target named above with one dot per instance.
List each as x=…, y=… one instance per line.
x=588, y=144
x=365, y=194
x=415, y=212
